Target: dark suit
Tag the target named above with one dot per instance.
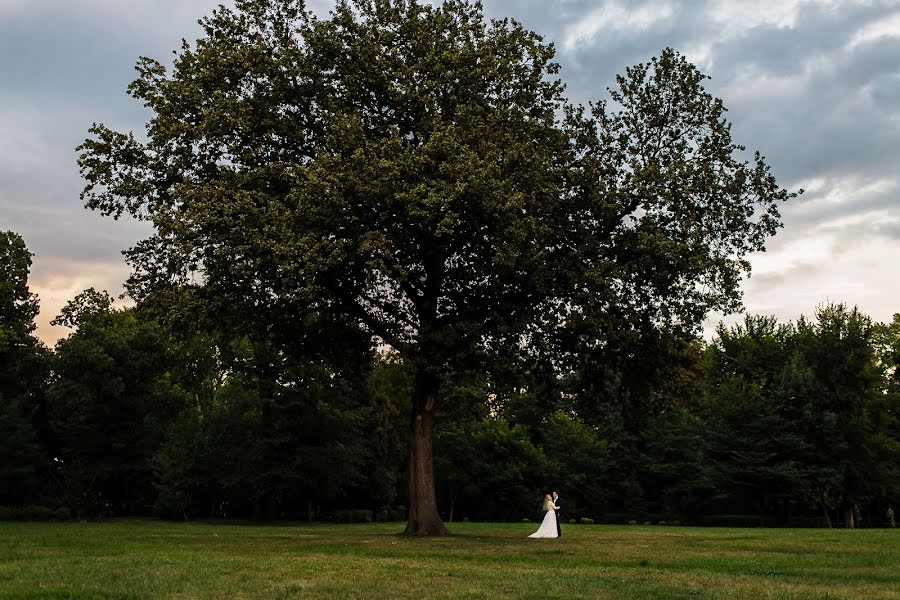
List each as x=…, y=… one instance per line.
x=558, y=506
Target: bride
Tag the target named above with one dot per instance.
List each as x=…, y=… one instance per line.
x=548, y=525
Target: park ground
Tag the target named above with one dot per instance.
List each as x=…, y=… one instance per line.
x=153, y=559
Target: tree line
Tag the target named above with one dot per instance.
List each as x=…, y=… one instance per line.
x=767, y=424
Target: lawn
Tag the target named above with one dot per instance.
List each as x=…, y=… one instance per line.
x=149, y=559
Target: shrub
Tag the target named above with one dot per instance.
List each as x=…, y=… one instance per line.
x=6, y=513
x=647, y=523
x=172, y=504
x=398, y=514
x=526, y=520
x=632, y=522
x=890, y=517
x=614, y=519
x=353, y=516
x=814, y=522
x=390, y=514
x=571, y=521
x=35, y=513
x=676, y=523
x=586, y=521
x=465, y=519
x=662, y=523
x=62, y=513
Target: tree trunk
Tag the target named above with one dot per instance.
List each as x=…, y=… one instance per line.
x=848, y=517
x=827, y=516
x=309, y=510
x=423, y=512
x=452, y=502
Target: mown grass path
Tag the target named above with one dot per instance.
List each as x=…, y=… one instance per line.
x=149, y=559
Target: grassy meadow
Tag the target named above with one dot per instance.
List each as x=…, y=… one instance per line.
x=150, y=559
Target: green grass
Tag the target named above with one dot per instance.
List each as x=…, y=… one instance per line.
x=149, y=559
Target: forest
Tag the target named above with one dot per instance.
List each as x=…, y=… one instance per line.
x=768, y=424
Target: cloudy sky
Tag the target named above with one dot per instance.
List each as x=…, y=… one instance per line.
x=814, y=85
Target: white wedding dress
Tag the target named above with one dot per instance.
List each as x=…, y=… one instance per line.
x=548, y=526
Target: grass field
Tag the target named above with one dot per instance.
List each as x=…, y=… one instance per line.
x=205, y=560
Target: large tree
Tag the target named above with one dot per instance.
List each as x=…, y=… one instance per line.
x=416, y=170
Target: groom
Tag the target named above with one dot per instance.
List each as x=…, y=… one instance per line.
x=558, y=506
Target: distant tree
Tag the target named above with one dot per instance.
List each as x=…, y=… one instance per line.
x=18, y=306
x=23, y=462
x=25, y=445
x=88, y=305
x=19, y=349
x=638, y=374
x=110, y=405
x=886, y=414
x=453, y=467
x=677, y=464
x=390, y=390
x=182, y=469
x=266, y=448
x=491, y=455
x=753, y=420
x=579, y=464
x=759, y=450
x=416, y=170
x=803, y=413
x=888, y=353
x=845, y=405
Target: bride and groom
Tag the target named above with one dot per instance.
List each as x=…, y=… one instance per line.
x=550, y=525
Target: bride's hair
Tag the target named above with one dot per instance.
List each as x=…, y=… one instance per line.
x=548, y=502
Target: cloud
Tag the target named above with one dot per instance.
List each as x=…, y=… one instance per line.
x=613, y=18
x=888, y=26
x=731, y=16
x=58, y=280
x=845, y=202
x=824, y=269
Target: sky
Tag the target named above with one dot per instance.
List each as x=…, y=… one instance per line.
x=814, y=85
